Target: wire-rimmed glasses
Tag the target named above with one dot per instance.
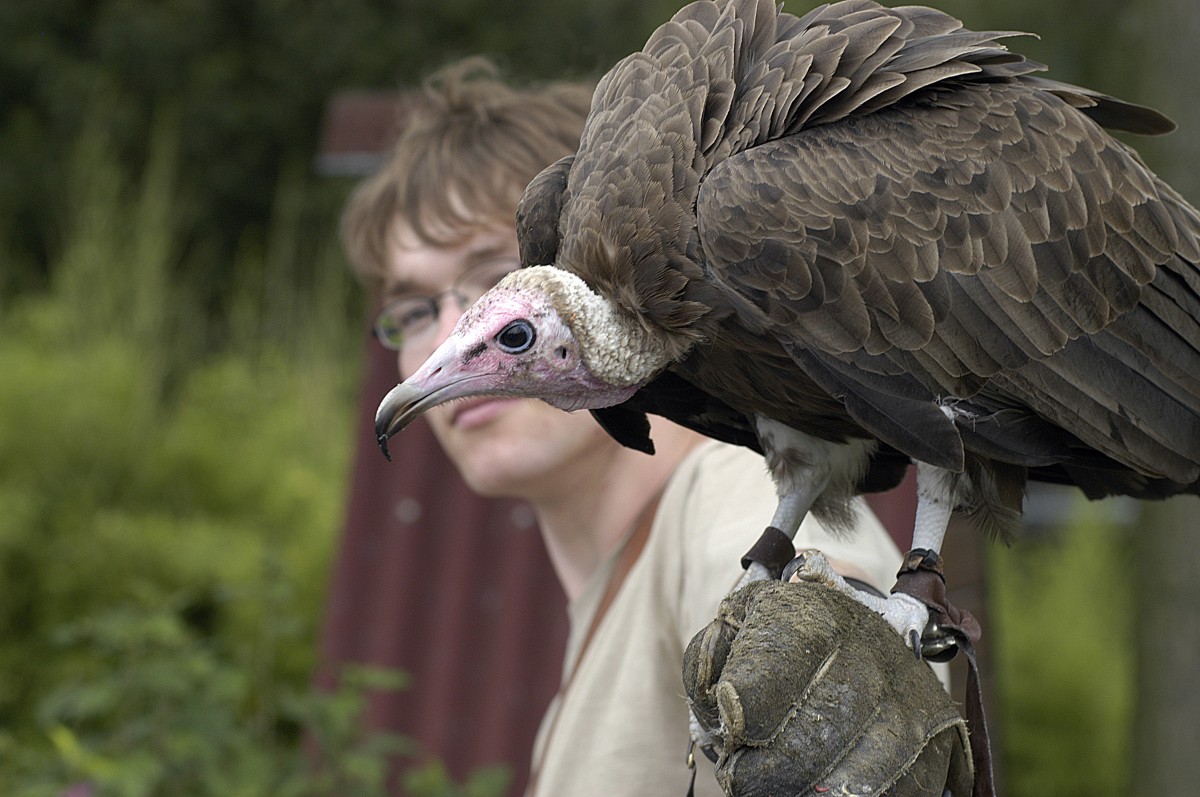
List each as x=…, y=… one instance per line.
x=410, y=319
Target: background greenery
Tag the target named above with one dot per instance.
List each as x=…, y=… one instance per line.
x=179, y=351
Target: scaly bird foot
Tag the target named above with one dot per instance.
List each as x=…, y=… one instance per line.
x=907, y=615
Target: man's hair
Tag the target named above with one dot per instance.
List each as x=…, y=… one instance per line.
x=468, y=149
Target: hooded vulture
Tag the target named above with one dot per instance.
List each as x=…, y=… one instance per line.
x=854, y=240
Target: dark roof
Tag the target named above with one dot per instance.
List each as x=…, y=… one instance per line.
x=358, y=129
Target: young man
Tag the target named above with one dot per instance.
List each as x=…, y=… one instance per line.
x=645, y=547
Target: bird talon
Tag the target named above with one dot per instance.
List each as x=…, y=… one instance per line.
x=792, y=567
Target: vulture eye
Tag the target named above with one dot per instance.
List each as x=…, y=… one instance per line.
x=516, y=337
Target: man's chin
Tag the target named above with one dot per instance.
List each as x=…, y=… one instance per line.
x=487, y=432
x=494, y=474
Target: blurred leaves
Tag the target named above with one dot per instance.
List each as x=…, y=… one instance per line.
x=248, y=81
x=432, y=780
x=137, y=459
x=163, y=712
x=1064, y=662
x=168, y=513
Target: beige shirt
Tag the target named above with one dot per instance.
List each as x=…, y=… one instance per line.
x=622, y=726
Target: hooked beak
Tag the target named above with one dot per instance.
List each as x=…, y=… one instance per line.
x=439, y=380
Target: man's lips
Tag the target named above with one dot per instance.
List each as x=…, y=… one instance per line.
x=477, y=411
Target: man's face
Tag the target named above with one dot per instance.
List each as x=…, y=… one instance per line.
x=501, y=446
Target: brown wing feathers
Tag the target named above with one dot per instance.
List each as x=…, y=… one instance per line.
x=908, y=212
x=1028, y=270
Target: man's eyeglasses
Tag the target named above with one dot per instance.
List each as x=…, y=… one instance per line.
x=413, y=318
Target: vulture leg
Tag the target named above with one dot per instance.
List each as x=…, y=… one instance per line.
x=803, y=468
x=935, y=502
x=906, y=613
x=808, y=471
x=946, y=626
x=789, y=514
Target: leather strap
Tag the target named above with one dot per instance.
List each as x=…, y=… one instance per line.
x=773, y=551
x=631, y=549
x=981, y=746
x=630, y=552
x=921, y=577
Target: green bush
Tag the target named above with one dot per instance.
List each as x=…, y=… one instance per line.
x=1064, y=663
x=159, y=710
x=172, y=481
x=137, y=458
x=155, y=709
x=249, y=81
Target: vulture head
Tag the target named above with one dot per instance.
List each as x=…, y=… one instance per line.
x=540, y=333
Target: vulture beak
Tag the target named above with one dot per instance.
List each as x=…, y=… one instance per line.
x=400, y=407
x=443, y=377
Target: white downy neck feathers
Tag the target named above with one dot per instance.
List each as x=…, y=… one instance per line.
x=615, y=347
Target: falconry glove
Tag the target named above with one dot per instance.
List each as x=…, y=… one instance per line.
x=805, y=691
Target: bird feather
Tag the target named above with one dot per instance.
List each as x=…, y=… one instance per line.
x=850, y=220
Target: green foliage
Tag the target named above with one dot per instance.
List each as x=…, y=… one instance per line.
x=1062, y=621
x=248, y=81
x=161, y=711
x=134, y=458
x=171, y=483
x=432, y=780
